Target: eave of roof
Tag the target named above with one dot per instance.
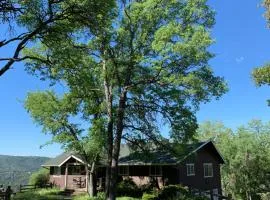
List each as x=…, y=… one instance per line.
x=61, y=159
x=200, y=147
x=127, y=159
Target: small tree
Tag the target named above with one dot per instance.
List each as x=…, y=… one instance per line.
x=40, y=178
x=57, y=115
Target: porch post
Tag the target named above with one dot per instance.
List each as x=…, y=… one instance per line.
x=86, y=178
x=66, y=174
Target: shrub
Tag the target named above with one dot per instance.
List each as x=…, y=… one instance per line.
x=40, y=177
x=173, y=191
x=128, y=188
x=265, y=196
x=150, y=187
x=149, y=197
x=100, y=196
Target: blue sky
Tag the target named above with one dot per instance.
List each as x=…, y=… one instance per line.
x=242, y=43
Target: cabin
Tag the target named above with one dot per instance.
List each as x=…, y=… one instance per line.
x=198, y=167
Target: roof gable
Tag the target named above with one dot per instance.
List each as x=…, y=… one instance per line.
x=204, y=145
x=62, y=159
x=160, y=157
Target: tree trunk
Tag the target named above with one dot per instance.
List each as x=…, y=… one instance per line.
x=91, y=183
x=109, y=160
x=108, y=95
x=117, y=143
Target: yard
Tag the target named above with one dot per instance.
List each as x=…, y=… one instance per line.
x=56, y=194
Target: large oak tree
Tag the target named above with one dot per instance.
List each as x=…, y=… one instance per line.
x=142, y=65
x=29, y=20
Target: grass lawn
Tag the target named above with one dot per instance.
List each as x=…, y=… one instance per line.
x=56, y=194
x=86, y=197
x=42, y=194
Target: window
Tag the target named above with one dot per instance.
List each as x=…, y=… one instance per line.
x=190, y=170
x=74, y=170
x=56, y=171
x=155, y=171
x=123, y=170
x=208, y=170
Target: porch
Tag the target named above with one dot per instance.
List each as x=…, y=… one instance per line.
x=70, y=176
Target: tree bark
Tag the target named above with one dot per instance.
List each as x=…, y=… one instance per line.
x=108, y=95
x=92, y=182
x=92, y=185
x=117, y=143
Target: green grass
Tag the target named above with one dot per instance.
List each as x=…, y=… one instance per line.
x=42, y=194
x=55, y=194
x=86, y=197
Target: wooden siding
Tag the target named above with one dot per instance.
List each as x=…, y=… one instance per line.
x=204, y=155
x=72, y=181
x=58, y=181
x=171, y=174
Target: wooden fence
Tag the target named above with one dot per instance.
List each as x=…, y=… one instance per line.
x=6, y=194
x=25, y=188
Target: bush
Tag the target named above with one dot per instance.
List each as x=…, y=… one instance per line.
x=172, y=192
x=100, y=196
x=128, y=188
x=265, y=196
x=149, y=197
x=40, y=178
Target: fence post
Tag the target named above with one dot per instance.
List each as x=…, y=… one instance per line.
x=8, y=193
x=20, y=188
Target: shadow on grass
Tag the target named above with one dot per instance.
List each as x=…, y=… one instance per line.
x=43, y=194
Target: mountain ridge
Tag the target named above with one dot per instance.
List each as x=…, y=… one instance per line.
x=16, y=170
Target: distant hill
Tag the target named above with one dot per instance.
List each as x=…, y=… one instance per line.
x=16, y=170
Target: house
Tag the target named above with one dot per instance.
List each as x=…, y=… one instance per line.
x=198, y=166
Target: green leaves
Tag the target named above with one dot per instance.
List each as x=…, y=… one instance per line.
x=53, y=114
x=261, y=75
x=246, y=152
x=134, y=63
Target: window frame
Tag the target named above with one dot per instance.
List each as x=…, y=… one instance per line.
x=126, y=171
x=188, y=165
x=206, y=166
x=75, y=170
x=155, y=174
x=58, y=170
